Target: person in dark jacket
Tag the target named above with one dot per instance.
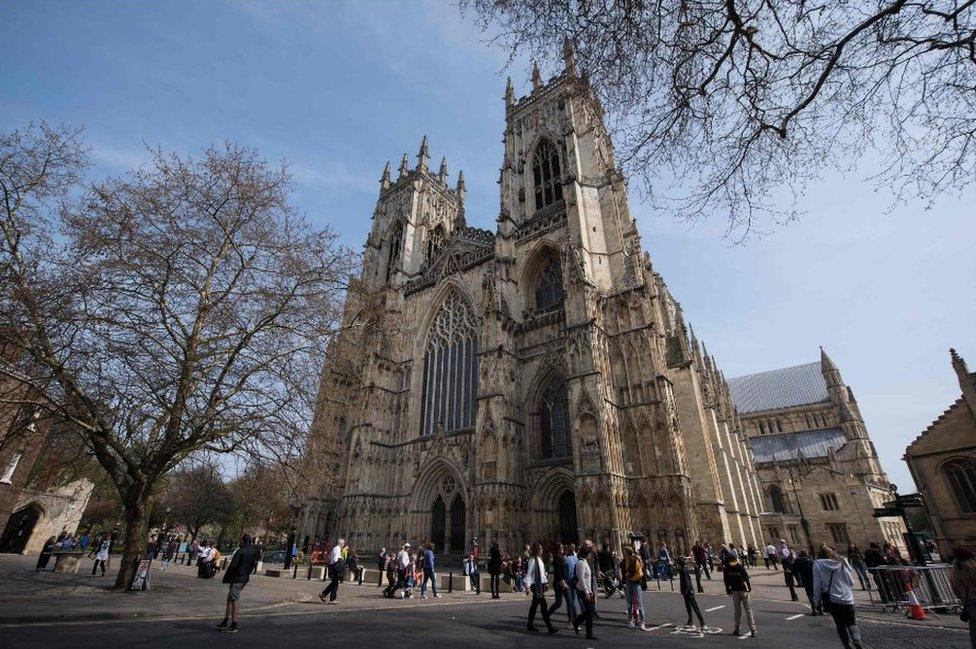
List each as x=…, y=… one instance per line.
x=45, y=555
x=688, y=593
x=237, y=575
x=803, y=568
x=494, y=568
x=737, y=587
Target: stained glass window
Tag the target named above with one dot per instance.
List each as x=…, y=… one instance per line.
x=545, y=173
x=549, y=289
x=962, y=481
x=554, y=420
x=450, y=375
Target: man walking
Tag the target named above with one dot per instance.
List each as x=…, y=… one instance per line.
x=237, y=575
x=428, y=566
x=737, y=587
x=584, y=590
x=337, y=570
x=536, y=584
x=494, y=568
x=803, y=568
x=769, y=554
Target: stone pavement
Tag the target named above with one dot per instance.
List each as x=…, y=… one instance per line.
x=27, y=596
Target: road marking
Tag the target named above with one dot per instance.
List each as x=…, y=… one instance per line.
x=793, y=617
x=714, y=608
x=659, y=626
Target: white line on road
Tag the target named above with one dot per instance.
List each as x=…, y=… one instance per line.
x=714, y=608
x=793, y=617
x=658, y=626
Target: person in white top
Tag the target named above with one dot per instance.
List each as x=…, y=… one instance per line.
x=536, y=583
x=337, y=570
x=584, y=591
x=833, y=589
x=770, y=556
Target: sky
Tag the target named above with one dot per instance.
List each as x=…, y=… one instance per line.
x=337, y=89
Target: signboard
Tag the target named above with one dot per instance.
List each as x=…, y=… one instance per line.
x=140, y=581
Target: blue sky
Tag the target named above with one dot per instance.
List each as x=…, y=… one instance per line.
x=336, y=89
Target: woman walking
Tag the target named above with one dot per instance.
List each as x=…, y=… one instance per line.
x=584, y=590
x=833, y=590
x=632, y=570
x=963, y=580
x=45, y=555
x=101, y=552
x=494, y=568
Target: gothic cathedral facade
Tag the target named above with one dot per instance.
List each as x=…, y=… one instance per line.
x=533, y=383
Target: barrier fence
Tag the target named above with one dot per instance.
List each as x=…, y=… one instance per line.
x=930, y=584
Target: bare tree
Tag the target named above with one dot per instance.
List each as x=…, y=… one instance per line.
x=747, y=101
x=182, y=308
x=196, y=496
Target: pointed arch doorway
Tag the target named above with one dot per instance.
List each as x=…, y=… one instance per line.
x=566, y=513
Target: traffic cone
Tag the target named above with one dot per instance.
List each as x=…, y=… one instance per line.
x=915, y=610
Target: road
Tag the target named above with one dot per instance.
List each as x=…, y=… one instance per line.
x=474, y=623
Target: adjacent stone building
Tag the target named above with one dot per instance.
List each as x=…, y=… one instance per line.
x=32, y=507
x=943, y=462
x=819, y=470
x=534, y=382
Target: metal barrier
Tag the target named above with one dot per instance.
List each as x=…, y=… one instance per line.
x=929, y=583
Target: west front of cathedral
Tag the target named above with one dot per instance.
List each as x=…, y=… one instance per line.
x=537, y=382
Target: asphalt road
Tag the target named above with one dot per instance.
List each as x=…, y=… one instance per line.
x=446, y=623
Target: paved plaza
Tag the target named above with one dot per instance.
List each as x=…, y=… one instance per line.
x=63, y=610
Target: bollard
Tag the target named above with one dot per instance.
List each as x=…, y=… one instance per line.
x=450, y=581
x=379, y=582
x=361, y=571
x=294, y=574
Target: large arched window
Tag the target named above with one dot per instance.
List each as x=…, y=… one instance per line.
x=450, y=380
x=393, y=255
x=545, y=173
x=961, y=475
x=549, y=288
x=554, y=420
x=776, y=499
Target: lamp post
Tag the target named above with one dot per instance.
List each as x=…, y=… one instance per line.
x=804, y=523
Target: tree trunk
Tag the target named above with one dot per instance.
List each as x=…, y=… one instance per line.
x=135, y=509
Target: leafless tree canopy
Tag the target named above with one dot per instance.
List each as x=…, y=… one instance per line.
x=746, y=101
x=182, y=308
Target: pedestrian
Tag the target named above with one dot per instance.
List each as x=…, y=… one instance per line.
x=572, y=601
x=100, y=553
x=518, y=574
x=237, y=575
x=698, y=553
x=259, y=550
x=787, y=556
x=84, y=540
x=833, y=588
x=45, y=556
x=962, y=577
x=803, y=567
x=751, y=555
x=737, y=587
x=427, y=562
x=584, y=591
x=688, y=593
x=632, y=574
x=337, y=570
x=560, y=579
x=404, y=571
x=536, y=584
x=856, y=559
x=771, y=557
x=664, y=562
x=471, y=572
x=494, y=568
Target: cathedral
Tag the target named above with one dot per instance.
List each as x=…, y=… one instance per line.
x=537, y=382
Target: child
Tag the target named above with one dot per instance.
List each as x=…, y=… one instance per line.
x=688, y=592
x=471, y=570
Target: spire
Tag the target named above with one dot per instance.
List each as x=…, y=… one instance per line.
x=967, y=380
x=569, y=56
x=402, y=171
x=536, y=76
x=385, y=180
x=958, y=364
x=509, y=94
x=423, y=157
x=830, y=372
x=460, y=183
x=442, y=174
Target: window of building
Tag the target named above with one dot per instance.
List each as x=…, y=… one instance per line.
x=773, y=532
x=393, y=255
x=806, y=420
x=779, y=426
x=838, y=532
x=549, y=289
x=794, y=533
x=435, y=241
x=554, y=420
x=8, y=473
x=762, y=428
x=776, y=499
x=961, y=475
x=545, y=173
x=450, y=379
x=829, y=502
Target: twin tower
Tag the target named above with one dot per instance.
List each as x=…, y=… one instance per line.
x=532, y=383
